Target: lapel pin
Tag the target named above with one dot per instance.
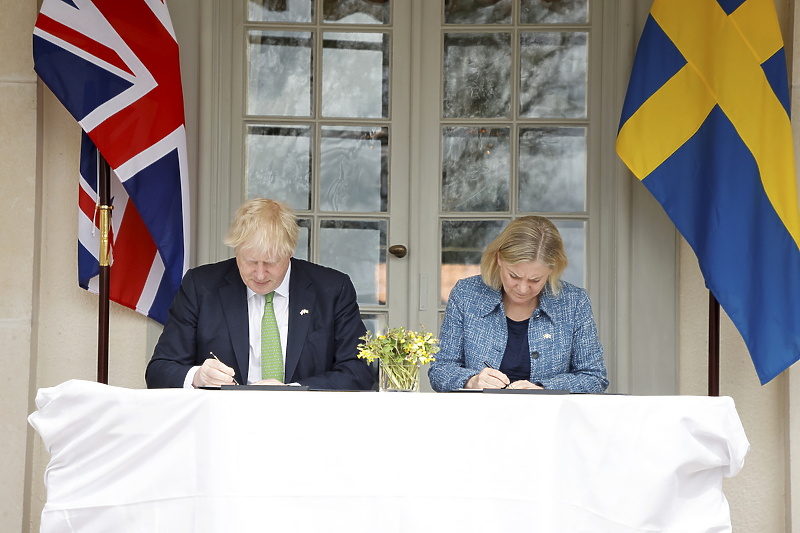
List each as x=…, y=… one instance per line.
x=547, y=336
x=304, y=312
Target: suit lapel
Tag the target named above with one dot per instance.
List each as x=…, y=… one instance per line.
x=233, y=297
x=301, y=309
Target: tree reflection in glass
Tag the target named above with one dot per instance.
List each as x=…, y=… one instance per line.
x=477, y=11
x=356, y=11
x=281, y=10
x=476, y=168
x=463, y=242
x=279, y=73
x=552, y=169
x=278, y=163
x=477, y=75
x=354, y=169
x=554, y=11
x=553, y=69
x=355, y=75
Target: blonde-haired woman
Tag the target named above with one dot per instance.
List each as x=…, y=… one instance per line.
x=518, y=325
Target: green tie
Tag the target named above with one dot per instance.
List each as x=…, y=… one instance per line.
x=271, y=355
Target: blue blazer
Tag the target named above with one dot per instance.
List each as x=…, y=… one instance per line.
x=209, y=314
x=562, y=336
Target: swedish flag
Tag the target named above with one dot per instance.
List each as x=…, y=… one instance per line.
x=705, y=127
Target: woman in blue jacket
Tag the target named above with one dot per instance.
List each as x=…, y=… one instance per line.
x=517, y=325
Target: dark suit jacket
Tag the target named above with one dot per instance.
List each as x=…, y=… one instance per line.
x=209, y=314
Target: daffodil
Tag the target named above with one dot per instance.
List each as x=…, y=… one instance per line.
x=400, y=352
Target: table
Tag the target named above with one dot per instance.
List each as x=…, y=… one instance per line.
x=199, y=460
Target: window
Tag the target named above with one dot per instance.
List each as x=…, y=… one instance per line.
x=514, y=123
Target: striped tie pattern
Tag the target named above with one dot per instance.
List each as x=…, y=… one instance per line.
x=271, y=355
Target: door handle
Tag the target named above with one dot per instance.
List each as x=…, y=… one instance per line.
x=398, y=250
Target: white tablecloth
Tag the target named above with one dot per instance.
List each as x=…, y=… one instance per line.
x=238, y=461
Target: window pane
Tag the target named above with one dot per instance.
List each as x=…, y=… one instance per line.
x=281, y=10
x=278, y=164
x=573, y=233
x=552, y=169
x=476, y=169
x=553, y=75
x=355, y=75
x=354, y=169
x=303, y=250
x=472, y=12
x=357, y=11
x=279, y=74
x=357, y=247
x=375, y=322
x=554, y=11
x=463, y=242
x=477, y=74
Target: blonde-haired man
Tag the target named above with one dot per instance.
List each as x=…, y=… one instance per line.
x=216, y=329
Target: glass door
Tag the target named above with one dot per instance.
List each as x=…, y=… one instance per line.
x=318, y=132
x=507, y=135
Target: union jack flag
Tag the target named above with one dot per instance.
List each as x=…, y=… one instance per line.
x=115, y=67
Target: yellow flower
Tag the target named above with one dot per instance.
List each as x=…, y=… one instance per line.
x=399, y=344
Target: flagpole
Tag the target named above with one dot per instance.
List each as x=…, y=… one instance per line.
x=713, y=345
x=104, y=205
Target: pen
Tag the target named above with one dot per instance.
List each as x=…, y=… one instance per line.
x=490, y=366
x=217, y=358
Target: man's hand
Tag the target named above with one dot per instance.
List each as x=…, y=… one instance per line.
x=213, y=373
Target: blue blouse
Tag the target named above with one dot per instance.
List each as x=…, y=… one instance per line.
x=562, y=333
x=516, y=362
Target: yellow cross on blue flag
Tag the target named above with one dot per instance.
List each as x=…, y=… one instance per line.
x=705, y=127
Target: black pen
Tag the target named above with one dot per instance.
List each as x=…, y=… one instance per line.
x=490, y=366
x=217, y=358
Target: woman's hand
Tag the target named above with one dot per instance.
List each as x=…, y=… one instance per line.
x=488, y=378
x=524, y=384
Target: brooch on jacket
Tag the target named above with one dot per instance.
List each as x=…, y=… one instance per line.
x=304, y=312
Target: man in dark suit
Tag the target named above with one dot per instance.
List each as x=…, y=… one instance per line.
x=216, y=329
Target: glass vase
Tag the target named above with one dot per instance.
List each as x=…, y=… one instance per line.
x=400, y=376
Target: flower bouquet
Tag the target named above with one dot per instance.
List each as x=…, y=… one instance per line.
x=401, y=352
